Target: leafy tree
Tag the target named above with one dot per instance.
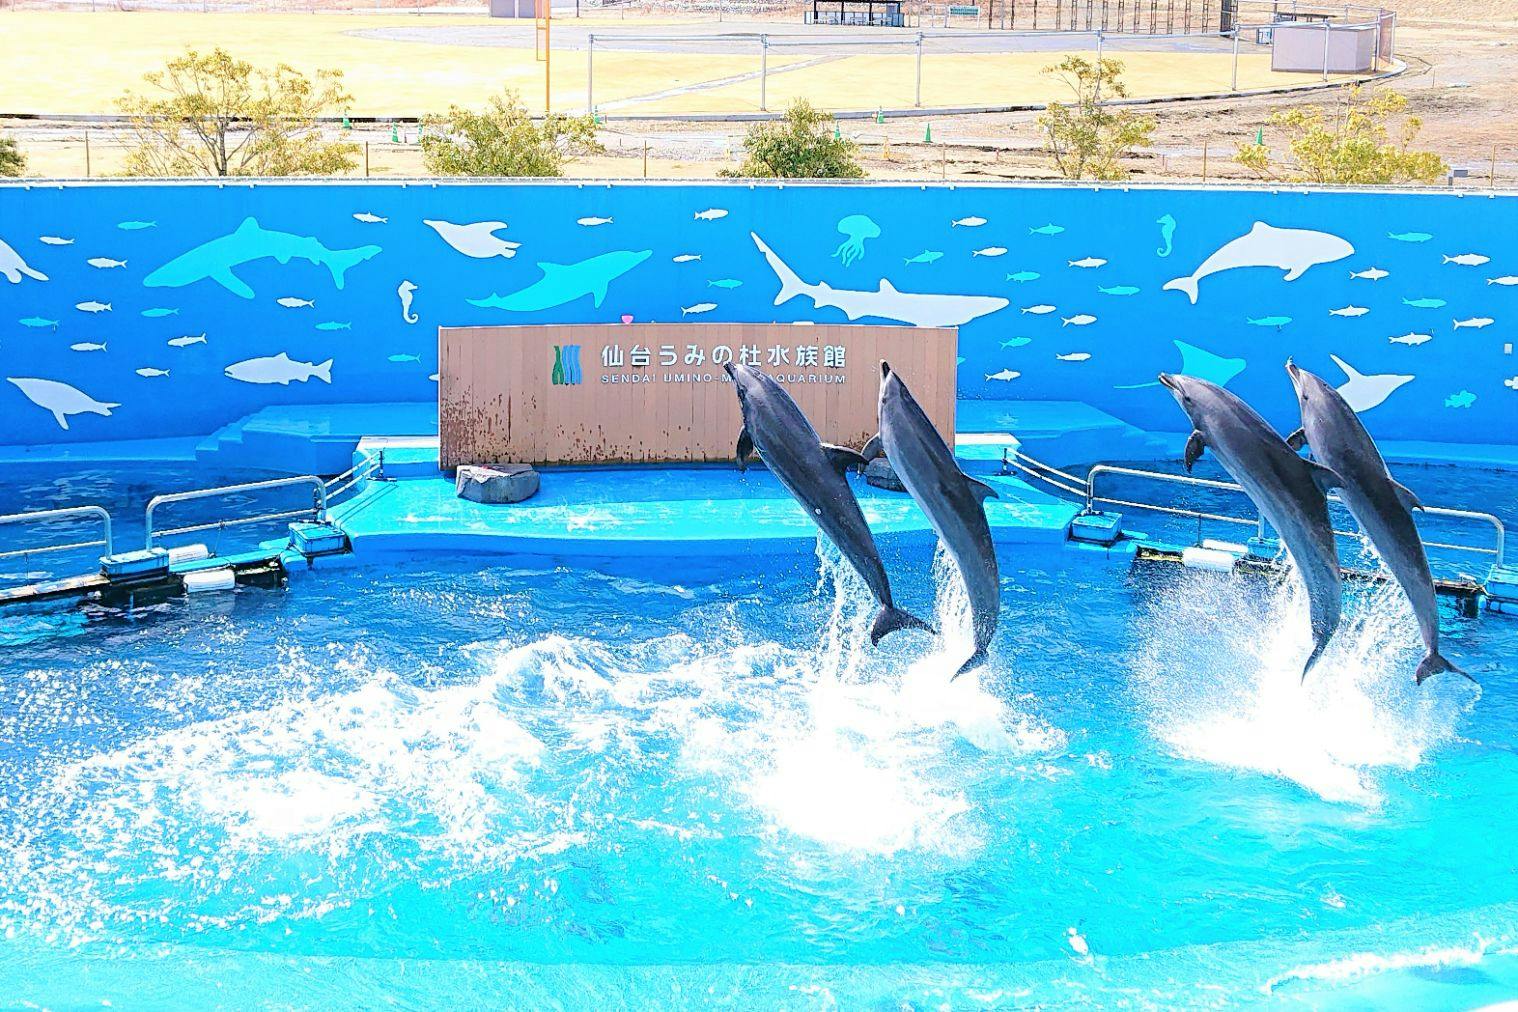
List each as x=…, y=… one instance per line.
x=803, y=145
x=208, y=114
x=12, y=161
x=1354, y=145
x=1086, y=139
x=503, y=140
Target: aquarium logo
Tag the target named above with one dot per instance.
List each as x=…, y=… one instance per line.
x=566, y=365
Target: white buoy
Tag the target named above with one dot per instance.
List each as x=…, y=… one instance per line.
x=1210, y=559
x=209, y=579
x=188, y=553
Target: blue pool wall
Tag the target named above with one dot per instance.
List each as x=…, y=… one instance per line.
x=215, y=259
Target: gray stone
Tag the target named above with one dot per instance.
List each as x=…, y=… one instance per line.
x=496, y=484
x=881, y=474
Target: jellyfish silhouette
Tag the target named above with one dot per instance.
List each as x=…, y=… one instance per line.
x=858, y=228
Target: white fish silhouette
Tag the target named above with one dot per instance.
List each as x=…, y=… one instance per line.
x=711, y=214
x=1506, y=280
x=1079, y=320
x=406, y=291
x=685, y=258
x=973, y=221
x=1370, y=274
x=87, y=346
x=592, y=222
x=60, y=398
x=1349, y=311
x=1088, y=262
x=1006, y=375
x=187, y=340
x=93, y=307
x=990, y=251
x=475, y=239
x=1475, y=322
x=1468, y=260
x=1412, y=339
x=700, y=307
x=281, y=369
x=1074, y=356
x=105, y=263
x=371, y=219
x=150, y=371
x=1039, y=310
x=1511, y=384
x=290, y=302
x=55, y=240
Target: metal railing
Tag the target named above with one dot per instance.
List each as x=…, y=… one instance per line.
x=42, y=516
x=317, y=510
x=373, y=465
x=1086, y=489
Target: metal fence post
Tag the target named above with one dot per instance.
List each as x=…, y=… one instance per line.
x=590, y=73
x=1235, y=56
x=764, y=73
x=919, y=70
x=1325, y=50
x=1098, y=66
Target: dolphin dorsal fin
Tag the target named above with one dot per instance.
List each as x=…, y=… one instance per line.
x=1406, y=496
x=979, y=489
x=842, y=457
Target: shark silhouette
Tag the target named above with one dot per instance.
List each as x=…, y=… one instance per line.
x=217, y=258
x=564, y=283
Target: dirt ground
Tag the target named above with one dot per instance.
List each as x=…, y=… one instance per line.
x=1461, y=65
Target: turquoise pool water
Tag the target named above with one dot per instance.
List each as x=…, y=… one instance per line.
x=438, y=780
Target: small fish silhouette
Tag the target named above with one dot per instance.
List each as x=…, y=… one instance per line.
x=371, y=219
x=974, y=221
x=1022, y=276
x=333, y=325
x=105, y=263
x=725, y=283
x=711, y=214
x=187, y=340
x=93, y=307
x=686, y=258
x=151, y=372
x=1046, y=230
x=1005, y=375
x=158, y=314
x=700, y=307
x=290, y=302
x=87, y=346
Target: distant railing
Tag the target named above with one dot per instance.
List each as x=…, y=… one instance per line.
x=316, y=511
x=43, y=516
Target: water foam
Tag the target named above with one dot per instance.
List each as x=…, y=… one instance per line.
x=1218, y=670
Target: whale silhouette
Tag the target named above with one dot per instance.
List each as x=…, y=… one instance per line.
x=216, y=258
x=60, y=398
x=12, y=266
x=564, y=283
x=1293, y=250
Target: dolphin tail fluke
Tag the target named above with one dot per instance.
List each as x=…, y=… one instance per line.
x=341, y=261
x=1317, y=651
x=873, y=448
x=891, y=618
x=1186, y=284
x=978, y=658
x=1434, y=664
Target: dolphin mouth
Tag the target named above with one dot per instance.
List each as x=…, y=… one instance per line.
x=1295, y=372
x=1167, y=381
x=885, y=369
x=731, y=372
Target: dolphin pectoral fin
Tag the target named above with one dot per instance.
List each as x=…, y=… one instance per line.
x=1433, y=664
x=1195, y=444
x=1406, y=496
x=978, y=658
x=891, y=618
x=843, y=458
x=1324, y=478
x=745, y=449
x=873, y=448
x=1297, y=439
x=980, y=490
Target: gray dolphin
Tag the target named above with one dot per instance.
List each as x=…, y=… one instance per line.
x=1288, y=491
x=952, y=500
x=812, y=472
x=1381, y=506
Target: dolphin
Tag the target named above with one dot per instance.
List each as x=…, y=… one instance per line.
x=812, y=472
x=952, y=500
x=564, y=283
x=1293, y=250
x=1288, y=491
x=216, y=258
x=1380, y=504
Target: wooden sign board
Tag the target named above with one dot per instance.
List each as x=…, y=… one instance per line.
x=657, y=392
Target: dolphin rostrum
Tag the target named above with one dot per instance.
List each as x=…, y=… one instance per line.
x=812, y=472
x=1288, y=491
x=952, y=500
x=1381, y=506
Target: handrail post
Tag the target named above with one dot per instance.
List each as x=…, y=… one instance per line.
x=764, y=72
x=590, y=73
x=1235, y=56
x=1326, y=38
x=919, y=69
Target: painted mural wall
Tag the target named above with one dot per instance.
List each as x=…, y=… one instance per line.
x=132, y=311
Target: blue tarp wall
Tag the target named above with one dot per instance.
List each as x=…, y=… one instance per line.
x=141, y=310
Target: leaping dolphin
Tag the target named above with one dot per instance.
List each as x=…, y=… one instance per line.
x=1380, y=504
x=1288, y=491
x=952, y=500
x=812, y=472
